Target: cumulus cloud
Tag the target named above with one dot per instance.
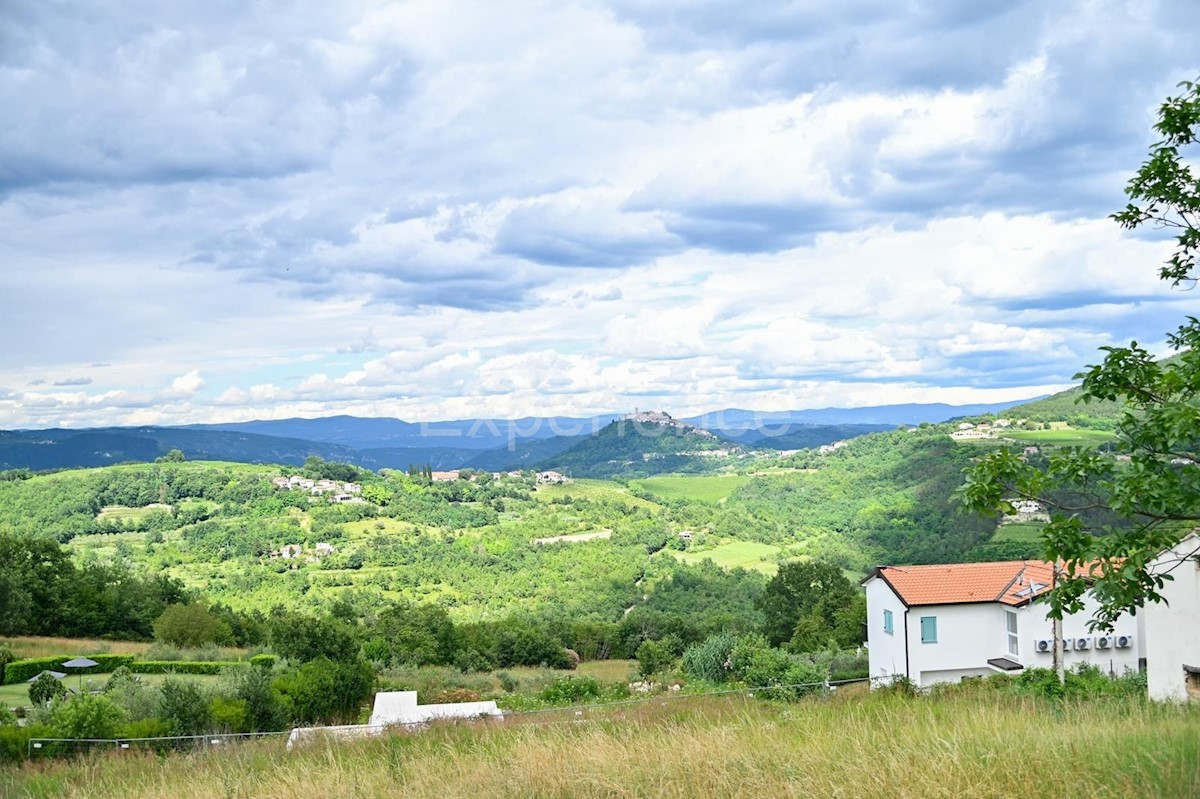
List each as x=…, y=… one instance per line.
x=464, y=208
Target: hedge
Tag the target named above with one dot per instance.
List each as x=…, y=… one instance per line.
x=264, y=661
x=21, y=670
x=179, y=666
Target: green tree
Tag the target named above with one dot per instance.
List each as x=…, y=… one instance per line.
x=45, y=688
x=191, y=625
x=173, y=456
x=324, y=690
x=303, y=638
x=1156, y=493
x=814, y=590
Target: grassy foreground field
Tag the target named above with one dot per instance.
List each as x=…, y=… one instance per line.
x=970, y=745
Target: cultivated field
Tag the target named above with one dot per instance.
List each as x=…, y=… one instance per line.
x=1025, y=532
x=590, y=489
x=943, y=747
x=746, y=554
x=706, y=488
x=1065, y=437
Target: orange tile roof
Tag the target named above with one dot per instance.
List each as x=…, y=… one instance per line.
x=1010, y=582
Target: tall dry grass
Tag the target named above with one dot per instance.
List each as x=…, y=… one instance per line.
x=37, y=646
x=927, y=748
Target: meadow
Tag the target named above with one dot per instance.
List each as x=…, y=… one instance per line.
x=735, y=554
x=1061, y=437
x=964, y=743
x=1023, y=532
x=704, y=488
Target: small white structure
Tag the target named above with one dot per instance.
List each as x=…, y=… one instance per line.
x=943, y=623
x=1172, y=641
x=397, y=709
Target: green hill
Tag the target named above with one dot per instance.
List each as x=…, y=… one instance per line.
x=644, y=444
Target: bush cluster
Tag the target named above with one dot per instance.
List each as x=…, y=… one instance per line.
x=19, y=671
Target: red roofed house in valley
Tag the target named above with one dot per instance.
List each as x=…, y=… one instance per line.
x=942, y=623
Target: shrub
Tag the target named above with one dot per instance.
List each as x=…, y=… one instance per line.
x=179, y=666
x=229, y=715
x=324, y=690
x=264, y=661
x=45, y=688
x=654, y=657
x=774, y=674
x=19, y=671
x=709, y=660
x=570, y=690
x=7, y=717
x=184, y=707
x=87, y=716
x=139, y=700
x=146, y=728
x=508, y=683
x=265, y=710
x=457, y=695
x=1043, y=682
x=6, y=657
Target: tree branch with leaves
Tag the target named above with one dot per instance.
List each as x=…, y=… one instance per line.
x=1151, y=478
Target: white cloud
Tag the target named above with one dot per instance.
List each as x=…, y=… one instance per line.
x=434, y=209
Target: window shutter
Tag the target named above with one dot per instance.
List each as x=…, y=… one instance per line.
x=929, y=629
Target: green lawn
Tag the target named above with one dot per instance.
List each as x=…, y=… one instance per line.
x=746, y=554
x=18, y=695
x=1066, y=437
x=706, y=488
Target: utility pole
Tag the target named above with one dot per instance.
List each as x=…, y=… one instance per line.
x=1056, y=627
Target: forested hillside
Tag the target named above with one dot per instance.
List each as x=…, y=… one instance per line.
x=636, y=448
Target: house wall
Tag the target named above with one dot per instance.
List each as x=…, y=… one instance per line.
x=1114, y=661
x=968, y=635
x=1173, y=629
x=885, y=653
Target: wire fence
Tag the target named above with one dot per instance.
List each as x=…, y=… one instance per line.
x=574, y=714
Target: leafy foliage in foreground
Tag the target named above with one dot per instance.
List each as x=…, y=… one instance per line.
x=1157, y=490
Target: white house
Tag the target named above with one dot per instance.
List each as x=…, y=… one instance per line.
x=936, y=624
x=1172, y=639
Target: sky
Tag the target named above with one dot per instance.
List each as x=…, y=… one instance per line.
x=221, y=211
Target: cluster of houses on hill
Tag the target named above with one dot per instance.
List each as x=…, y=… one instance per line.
x=295, y=551
x=972, y=432
x=347, y=493
x=542, y=477
x=945, y=623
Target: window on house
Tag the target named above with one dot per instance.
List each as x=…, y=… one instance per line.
x=1010, y=621
x=929, y=629
x=887, y=622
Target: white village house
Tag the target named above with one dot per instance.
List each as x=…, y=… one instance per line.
x=943, y=623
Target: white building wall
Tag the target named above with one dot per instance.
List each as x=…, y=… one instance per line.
x=968, y=635
x=885, y=653
x=1173, y=629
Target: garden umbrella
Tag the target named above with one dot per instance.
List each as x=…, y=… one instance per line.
x=80, y=663
x=58, y=675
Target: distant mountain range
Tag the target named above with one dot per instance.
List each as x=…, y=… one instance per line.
x=577, y=443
